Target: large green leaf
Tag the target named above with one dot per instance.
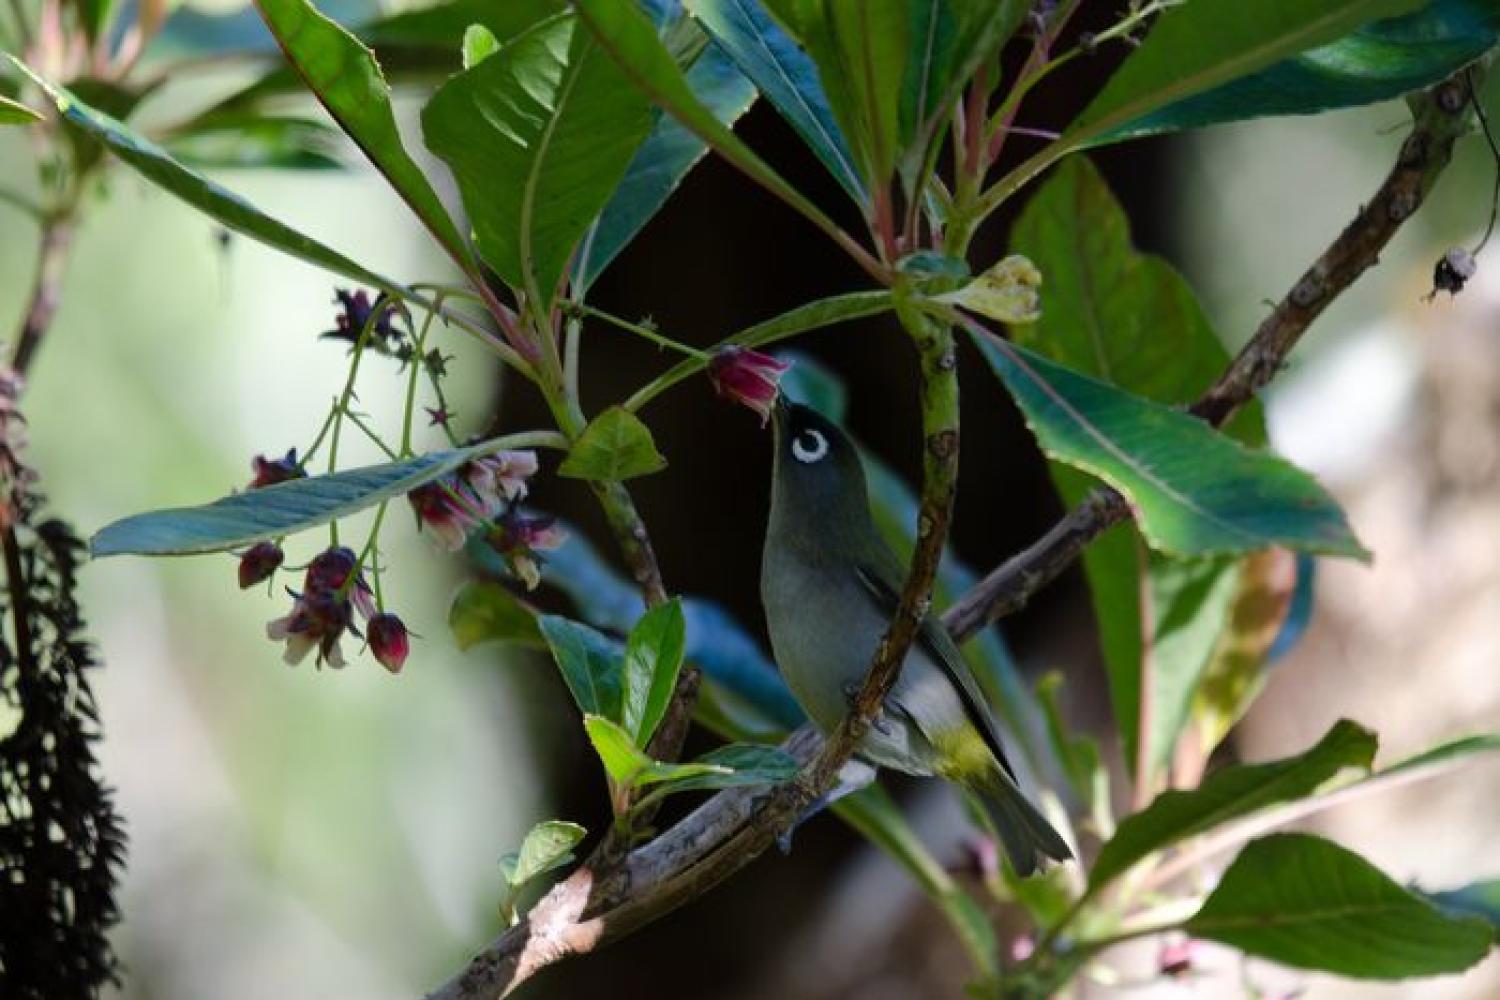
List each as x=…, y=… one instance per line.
x=1130, y=319
x=1197, y=46
x=785, y=74
x=735, y=766
x=653, y=660
x=1477, y=899
x=659, y=166
x=1307, y=902
x=484, y=611
x=537, y=135
x=219, y=204
x=1376, y=62
x=272, y=511
x=1194, y=491
x=861, y=50
x=345, y=77
x=589, y=662
x=15, y=113
x=252, y=141
x=1233, y=792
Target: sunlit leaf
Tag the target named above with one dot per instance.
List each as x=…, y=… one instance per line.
x=653, y=659
x=548, y=846
x=615, y=445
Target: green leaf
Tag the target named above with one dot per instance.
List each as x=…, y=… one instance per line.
x=483, y=611
x=659, y=166
x=631, y=40
x=786, y=76
x=548, y=846
x=96, y=16
x=272, y=511
x=629, y=767
x=1194, y=491
x=479, y=44
x=1130, y=319
x=224, y=207
x=253, y=141
x=590, y=665
x=1232, y=792
x=537, y=137
x=345, y=77
x=1307, y=902
x=1376, y=62
x=1477, y=899
x=615, y=445
x=653, y=659
x=949, y=40
x=861, y=52
x=15, y=113
x=734, y=766
x=1081, y=762
x=1196, y=46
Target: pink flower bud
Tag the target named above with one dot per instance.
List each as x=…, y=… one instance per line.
x=270, y=471
x=388, y=641
x=259, y=562
x=747, y=377
x=329, y=572
x=1176, y=959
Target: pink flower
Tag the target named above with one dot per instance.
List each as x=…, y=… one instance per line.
x=500, y=477
x=747, y=377
x=388, y=640
x=519, y=538
x=329, y=573
x=316, y=621
x=259, y=562
x=451, y=506
x=270, y=471
x=1176, y=959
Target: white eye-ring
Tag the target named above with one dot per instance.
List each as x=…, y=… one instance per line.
x=809, y=446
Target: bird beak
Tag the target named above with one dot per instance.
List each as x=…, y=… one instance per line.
x=779, y=412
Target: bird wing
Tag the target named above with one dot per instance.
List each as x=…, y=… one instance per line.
x=881, y=580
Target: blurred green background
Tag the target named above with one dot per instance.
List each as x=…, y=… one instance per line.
x=306, y=834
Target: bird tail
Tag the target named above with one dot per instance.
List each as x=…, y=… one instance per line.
x=1027, y=836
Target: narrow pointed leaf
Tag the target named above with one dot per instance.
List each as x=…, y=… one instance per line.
x=1376, y=62
x=1194, y=491
x=253, y=141
x=219, y=204
x=537, y=136
x=16, y=113
x=1196, y=46
x=590, y=664
x=272, y=511
x=1307, y=902
x=653, y=659
x=785, y=74
x=1231, y=793
x=736, y=766
x=345, y=77
x=614, y=446
x=629, y=766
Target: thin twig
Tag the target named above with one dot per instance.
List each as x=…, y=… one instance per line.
x=46, y=292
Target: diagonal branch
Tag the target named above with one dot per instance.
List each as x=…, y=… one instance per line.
x=597, y=905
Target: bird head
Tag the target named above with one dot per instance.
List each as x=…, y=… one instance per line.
x=817, y=474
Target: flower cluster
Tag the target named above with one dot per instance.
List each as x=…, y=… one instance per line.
x=333, y=589
x=454, y=505
x=518, y=538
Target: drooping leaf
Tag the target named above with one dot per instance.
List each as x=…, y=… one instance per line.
x=785, y=74
x=224, y=207
x=627, y=764
x=1235, y=791
x=590, y=665
x=537, y=136
x=661, y=163
x=653, y=659
x=861, y=52
x=1194, y=491
x=1304, y=901
x=1375, y=62
x=615, y=445
x=479, y=44
x=484, y=611
x=1130, y=319
x=272, y=511
x=1197, y=46
x=16, y=113
x=252, y=141
x=548, y=846
x=1081, y=762
x=345, y=77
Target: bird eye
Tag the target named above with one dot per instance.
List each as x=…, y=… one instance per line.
x=809, y=446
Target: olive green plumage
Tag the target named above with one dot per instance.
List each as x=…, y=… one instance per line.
x=830, y=585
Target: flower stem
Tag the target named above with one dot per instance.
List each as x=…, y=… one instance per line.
x=639, y=329
x=418, y=362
